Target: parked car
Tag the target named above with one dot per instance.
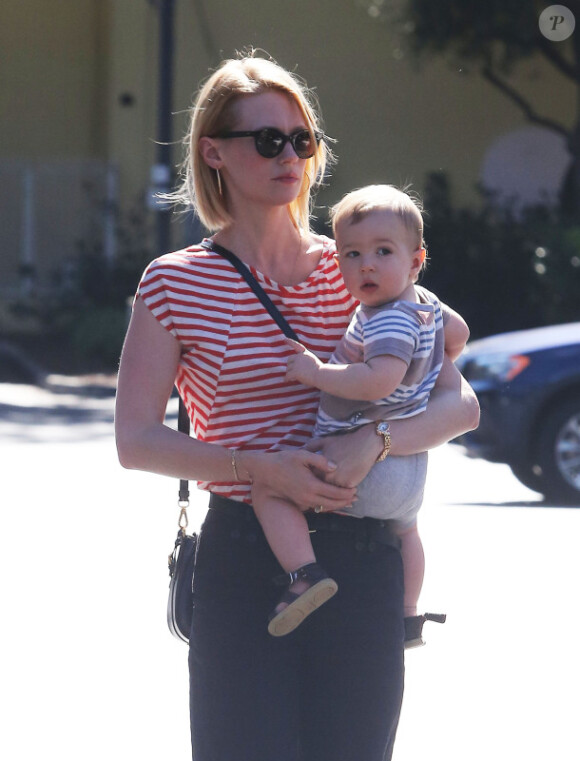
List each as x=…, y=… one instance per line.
x=528, y=386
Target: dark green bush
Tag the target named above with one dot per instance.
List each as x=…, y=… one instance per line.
x=97, y=335
x=501, y=269
x=85, y=312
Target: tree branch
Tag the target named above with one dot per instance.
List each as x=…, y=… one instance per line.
x=530, y=114
x=547, y=48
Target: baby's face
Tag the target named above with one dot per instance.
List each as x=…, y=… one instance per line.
x=378, y=257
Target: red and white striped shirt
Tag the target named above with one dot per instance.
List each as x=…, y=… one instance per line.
x=231, y=374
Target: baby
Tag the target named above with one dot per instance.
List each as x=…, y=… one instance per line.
x=384, y=368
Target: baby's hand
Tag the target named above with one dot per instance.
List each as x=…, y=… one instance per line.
x=303, y=365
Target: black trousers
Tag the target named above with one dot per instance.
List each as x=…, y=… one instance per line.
x=329, y=691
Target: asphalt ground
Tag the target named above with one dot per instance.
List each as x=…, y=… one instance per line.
x=90, y=671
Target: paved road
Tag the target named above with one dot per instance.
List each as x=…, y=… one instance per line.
x=89, y=670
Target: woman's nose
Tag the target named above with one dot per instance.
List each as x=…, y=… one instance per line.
x=288, y=153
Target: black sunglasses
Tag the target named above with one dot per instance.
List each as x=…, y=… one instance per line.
x=270, y=141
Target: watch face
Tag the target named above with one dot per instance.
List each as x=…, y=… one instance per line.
x=383, y=427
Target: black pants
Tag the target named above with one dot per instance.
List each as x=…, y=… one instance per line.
x=329, y=691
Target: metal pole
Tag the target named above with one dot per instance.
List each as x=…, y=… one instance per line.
x=28, y=237
x=161, y=172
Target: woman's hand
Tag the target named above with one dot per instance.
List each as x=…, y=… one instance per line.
x=296, y=475
x=452, y=410
x=354, y=453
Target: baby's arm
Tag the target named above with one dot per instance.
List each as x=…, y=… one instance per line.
x=456, y=334
x=366, y=381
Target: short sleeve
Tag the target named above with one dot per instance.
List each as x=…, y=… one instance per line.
x=155, y=292
x=393, y=332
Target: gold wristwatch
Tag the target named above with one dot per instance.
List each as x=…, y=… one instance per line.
x=382, y=429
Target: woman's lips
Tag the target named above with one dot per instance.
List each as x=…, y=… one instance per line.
x=286, y=178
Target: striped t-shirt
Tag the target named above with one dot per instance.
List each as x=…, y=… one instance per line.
x=233, y=362
x=411, y=331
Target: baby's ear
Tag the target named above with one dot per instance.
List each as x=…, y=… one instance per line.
x=419, y=259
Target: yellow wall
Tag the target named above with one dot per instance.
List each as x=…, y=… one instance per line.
x=53, y=77
x=67, y=64
x=131, y=128
x=394, y=121
x=53, y=72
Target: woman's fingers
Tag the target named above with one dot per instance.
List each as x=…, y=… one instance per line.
x=314, y=445
x=354, y=454
x=318, y=492
x=317, y=461
x=299, y=476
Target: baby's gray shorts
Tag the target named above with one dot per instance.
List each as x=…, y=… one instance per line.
x=393, y=490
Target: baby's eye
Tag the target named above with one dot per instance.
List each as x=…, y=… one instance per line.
x=383, y=251
x=350, y=254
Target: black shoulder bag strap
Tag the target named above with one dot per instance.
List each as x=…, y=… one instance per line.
x=255, y=286
x=183, y=417
x=183, y=427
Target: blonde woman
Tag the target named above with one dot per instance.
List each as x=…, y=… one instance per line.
x=332, y=689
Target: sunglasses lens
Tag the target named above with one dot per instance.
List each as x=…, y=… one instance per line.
x=303, y=144
x=270, y=143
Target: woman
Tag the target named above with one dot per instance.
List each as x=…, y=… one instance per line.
x=333, y=689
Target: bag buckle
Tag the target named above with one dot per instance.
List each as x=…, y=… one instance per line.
x=183, y=521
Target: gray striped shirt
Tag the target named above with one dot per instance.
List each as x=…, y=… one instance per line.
x=411, y=331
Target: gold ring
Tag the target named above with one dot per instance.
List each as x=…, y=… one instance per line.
x=319, y=509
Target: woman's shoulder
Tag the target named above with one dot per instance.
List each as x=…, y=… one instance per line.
x=193, y=262
x=324, y=249
x=322, y=243
x=185, y=257
x=194, y=270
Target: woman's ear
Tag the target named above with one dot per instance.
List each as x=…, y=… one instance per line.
x=209, y=152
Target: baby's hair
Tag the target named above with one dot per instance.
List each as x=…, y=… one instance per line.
x=358, y=204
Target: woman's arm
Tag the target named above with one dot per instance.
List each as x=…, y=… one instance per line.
x=147, y=372
x=456, y=334
x=146, y=376
x=452, y=410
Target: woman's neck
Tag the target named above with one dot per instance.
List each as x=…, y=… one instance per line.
x=270, y=243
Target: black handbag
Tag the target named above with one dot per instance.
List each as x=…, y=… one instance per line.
x=182, y=559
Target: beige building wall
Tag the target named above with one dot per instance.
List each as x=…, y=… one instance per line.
x=53, y=135
x=79, y=82
x=52, y=87
x=394, y=121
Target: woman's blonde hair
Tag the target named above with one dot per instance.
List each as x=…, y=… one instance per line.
x=358, y=204
x=213, y=113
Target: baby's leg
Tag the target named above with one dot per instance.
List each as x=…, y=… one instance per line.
x=286, y=531
x=309, y=587
x=413, y=567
